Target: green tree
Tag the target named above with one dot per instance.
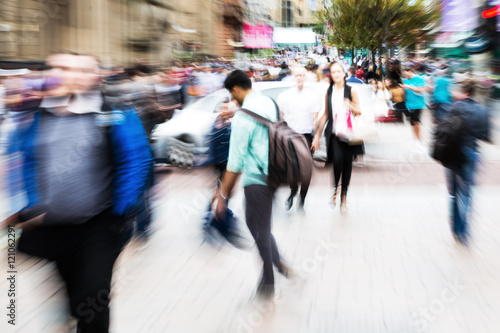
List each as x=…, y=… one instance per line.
x=342, y=20
x=374, y=24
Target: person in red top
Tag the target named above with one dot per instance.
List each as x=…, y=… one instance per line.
x=360, y=74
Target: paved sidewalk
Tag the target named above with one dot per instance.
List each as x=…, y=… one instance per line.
x=391, y=265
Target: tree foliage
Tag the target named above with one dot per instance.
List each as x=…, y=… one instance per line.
x=373, y=24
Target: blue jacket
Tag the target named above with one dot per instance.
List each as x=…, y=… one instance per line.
x=132, y=159
x=478, y=122
x=353, y=79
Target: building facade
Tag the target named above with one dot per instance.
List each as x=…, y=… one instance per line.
x=122, y=31
x=118, y=31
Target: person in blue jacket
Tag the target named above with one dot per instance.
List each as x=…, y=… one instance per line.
x=460, y=180
x=85, y=167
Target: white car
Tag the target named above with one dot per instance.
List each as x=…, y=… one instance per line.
x=183, y=140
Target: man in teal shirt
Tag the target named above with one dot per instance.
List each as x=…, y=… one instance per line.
x=442, y=95
x=249, y=154
x=415, y=102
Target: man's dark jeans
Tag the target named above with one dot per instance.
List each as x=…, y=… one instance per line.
x=258, y=211
x=143, y=215
x=294, y=190
x=459, y=186
x=84, y=255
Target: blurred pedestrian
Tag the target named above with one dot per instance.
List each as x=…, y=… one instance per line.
x=360, y=74
x=383, y=67
x=168, y=94
x=397, y=98
x=365, y=64
x=219, y=138
x=341, y=101
x=370, y=75
x=441, y=89
x=394, y=71
x=311, y=73
x=414, y=86
x=248, y=153
x=284, y=72
x=300, y=107
x=461, y=179
x=382, y=99
x=85, y=170
x=144, y=98
x=352, y=78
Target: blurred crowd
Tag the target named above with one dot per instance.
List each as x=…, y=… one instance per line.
x=157, y=92
x=75, y=137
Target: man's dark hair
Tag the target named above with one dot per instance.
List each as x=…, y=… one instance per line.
x=237, y=78
x=352, y=70
x=468, y=87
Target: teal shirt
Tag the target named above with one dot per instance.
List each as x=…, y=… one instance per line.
x=442, y=91
x=249, y=143
x=414, y=100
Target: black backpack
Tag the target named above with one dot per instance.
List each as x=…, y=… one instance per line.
x=448, y=139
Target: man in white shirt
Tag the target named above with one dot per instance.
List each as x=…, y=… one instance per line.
x=300, y=107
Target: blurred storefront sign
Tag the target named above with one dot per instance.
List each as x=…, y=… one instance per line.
x=451, y=39
x=458, y=15
x=294, y=36
x=478, y=44
x=257, y=37
x=451, y=44
x=495, y=11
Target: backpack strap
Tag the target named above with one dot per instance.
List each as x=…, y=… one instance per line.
x=278, y=114
x=262, y=120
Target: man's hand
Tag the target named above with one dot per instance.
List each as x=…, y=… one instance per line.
x=13, y=220
x=223, y=194
x=226, y=114
x=227, y=110
x=31, y=223
x=9, y=221
x=315, y=145
x=221, y=208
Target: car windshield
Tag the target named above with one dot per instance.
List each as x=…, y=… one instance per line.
x=209, y=102
x=274, y=92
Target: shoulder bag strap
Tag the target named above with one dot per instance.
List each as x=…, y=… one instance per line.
x=347, y=92
x=259, y=118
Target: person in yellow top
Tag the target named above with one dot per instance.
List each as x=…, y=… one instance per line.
x=397, y=97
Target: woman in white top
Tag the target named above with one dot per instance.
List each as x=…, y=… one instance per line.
x=341, y=103
x=382, y=97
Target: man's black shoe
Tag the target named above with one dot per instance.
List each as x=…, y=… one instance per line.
x=289, y=202
x=265, y=291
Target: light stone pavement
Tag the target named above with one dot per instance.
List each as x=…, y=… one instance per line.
x=391, y=265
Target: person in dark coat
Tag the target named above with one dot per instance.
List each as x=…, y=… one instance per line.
x=461, y=179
